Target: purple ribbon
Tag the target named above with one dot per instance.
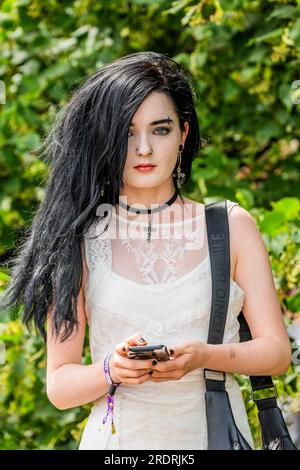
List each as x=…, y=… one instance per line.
x=110, y=408
x=109, y=397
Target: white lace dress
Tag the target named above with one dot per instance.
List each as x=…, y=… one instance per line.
x=162, y=290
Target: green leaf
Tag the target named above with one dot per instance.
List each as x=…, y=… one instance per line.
x=205, y=173
x=245, y=198
x=231, y=90
x=231, y=5
x=273, y=223
x=270, y=37
x=283, y=12
x=293, y=303
x=27, y=142
x=4, y=277
x=289, y=206
x=294, y=33
x=285, y=95
x=55, y=71
x=267, y=131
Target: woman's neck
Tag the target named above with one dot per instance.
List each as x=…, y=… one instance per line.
x=177, y=208
x=145, y=199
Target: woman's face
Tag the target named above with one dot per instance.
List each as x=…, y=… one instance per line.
x=157, y=144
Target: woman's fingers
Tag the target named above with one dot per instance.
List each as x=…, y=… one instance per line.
x=133, y=364
x=121, y=367
x=129, y=373
x=134, y=340
x=137, y=380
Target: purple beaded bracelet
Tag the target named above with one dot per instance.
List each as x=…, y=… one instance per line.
x=107, y=370
x=110, y=394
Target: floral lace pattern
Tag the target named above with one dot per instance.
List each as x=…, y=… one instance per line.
x=146, y=259
x=161, y=261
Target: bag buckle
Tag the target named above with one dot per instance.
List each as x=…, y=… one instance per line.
x=276, y=444
x=214, y=375
x=275, y=395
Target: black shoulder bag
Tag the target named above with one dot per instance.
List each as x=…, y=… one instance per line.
x=222, y=431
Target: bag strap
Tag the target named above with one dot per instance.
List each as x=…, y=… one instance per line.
x=218, y=241
x=217, y=226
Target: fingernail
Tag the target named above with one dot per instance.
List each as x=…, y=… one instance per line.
x=154, y=362
x=124, y=349
x=171, y=352
x=141, y=340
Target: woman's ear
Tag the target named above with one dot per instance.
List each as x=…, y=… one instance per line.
x=185, y=132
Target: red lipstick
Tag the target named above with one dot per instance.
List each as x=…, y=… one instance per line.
x=145, y=167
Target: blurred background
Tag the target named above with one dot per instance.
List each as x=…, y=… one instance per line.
x=245, y=57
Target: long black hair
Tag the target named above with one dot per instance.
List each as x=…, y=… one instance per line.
x=86, y=146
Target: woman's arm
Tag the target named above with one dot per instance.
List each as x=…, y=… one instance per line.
x=69, y=383
x=269, y=352
x=260, y=356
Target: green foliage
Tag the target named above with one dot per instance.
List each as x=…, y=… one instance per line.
x=244, y=55
x=28, y=420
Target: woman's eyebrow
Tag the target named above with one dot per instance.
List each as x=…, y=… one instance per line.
x=154, y=123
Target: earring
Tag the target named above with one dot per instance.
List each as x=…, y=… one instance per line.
x=180, y=175
x=103, y=187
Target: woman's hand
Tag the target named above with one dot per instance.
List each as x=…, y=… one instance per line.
x=129, y=371
x=186, y=358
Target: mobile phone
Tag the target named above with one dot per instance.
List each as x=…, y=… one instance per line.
x=159, y=352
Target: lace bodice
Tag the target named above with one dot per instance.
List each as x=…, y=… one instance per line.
x=162, y=290
x=175, y=248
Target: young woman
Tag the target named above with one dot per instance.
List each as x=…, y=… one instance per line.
x=117, y=247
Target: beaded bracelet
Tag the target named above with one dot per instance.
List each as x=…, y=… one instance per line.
x=107, y=369
x=110, y=394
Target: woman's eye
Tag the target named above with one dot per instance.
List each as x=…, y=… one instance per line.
x=165, y=129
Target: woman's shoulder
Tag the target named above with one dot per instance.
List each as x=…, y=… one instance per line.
x=196, y=207
x=241, y=223
x=239, y=214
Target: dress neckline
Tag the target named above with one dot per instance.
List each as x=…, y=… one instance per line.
x=181, y=280
x=203, y=264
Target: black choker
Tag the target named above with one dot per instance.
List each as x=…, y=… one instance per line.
x=150, y=211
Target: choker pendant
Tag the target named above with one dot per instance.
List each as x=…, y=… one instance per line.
x=149, y=211
x=149, y=230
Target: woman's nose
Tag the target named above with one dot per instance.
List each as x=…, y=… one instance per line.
x=143, y=146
